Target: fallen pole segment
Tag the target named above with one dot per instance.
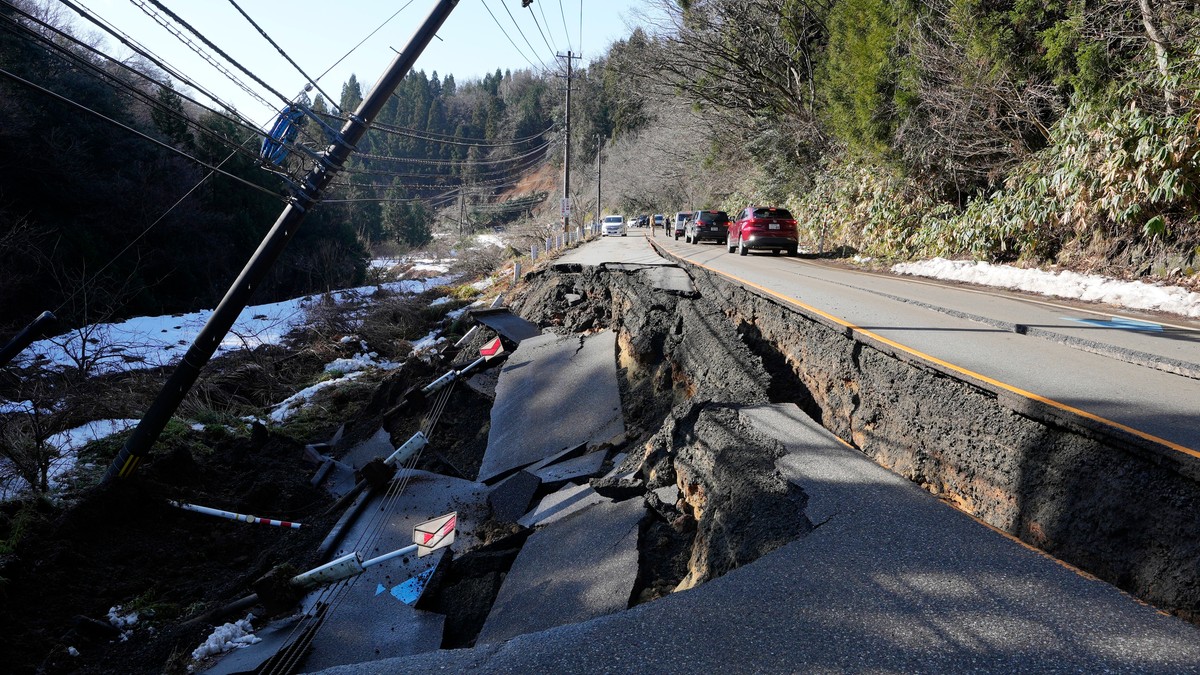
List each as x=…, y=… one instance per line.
x=241, y=517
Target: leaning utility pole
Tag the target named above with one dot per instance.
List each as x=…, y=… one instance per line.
x=567, y=152
x=306, y=195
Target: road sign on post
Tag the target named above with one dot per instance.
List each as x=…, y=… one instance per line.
x=566, y=207
x=493, y=348
x=431, y=535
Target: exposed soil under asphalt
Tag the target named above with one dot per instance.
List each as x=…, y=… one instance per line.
x=1115, y=507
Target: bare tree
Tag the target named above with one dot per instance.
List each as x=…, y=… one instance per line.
x=973, y=120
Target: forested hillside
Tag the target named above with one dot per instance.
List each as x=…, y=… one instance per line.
x=1060, y=131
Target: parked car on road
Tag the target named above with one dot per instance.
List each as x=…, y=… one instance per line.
x=680, y=223
x=613, y=226
x=643, y=220
x=764, y=227
x=658, y=222
x=712, y=225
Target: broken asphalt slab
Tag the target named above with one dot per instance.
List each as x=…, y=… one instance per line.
x=571, y=469
x=890, y=580
x=509, y=499
x=366, y=616
x=507, y=324
x=559, y=505
x=575, y=569
x=555, y=392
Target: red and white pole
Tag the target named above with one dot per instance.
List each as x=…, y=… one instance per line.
x=235, y=516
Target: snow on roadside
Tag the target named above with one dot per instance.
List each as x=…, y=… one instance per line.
x=292, y=404
x=155, y=341
x=227, y=638
x=1065, y=284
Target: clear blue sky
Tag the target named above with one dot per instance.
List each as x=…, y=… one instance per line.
x=316, y=34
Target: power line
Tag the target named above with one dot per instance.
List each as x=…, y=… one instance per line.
x=145, y=53
x=484, y=175
x=282, y=53
x=63, y=52
x=362, y=41
x=178, y=19
x=190, y=44
x=400, y=131
x=534, y=66
x=450, y=162
x=542, y=9
x=566, y=32
x=173, y=149
x=522, y=33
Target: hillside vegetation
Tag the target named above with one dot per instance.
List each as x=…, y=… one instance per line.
x=1061, y=131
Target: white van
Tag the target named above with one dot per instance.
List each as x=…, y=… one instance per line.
x=612, y=226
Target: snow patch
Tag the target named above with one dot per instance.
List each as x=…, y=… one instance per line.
x=1089, y=287
x=122, y=621
x=158, y=341
x=359, y=362
x=292, y=404
x=490, y=240
x=227, y=638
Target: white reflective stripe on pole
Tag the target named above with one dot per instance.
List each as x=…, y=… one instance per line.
x=344, y=567
x=235, y=516
x=410, y=447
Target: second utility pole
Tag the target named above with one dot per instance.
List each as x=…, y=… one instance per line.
x=566, y=205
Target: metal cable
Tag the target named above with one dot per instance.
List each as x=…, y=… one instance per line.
x=284, y=54
x=173, y=149
x=332, y=597
x=360, y=42
x=179, y=20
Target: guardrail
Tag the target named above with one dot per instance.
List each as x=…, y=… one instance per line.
x=565, y=239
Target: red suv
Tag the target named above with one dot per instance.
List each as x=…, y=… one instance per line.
x=764, y=227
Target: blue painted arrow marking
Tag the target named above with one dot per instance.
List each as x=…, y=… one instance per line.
x=410, y=591
x=1118, y=323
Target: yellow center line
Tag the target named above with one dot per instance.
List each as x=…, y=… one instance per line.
x=946, y=364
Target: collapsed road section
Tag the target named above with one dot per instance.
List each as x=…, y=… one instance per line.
x=659, y=441
x=1112, y=504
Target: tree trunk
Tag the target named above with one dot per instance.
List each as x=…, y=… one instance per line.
x=1160, y=49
